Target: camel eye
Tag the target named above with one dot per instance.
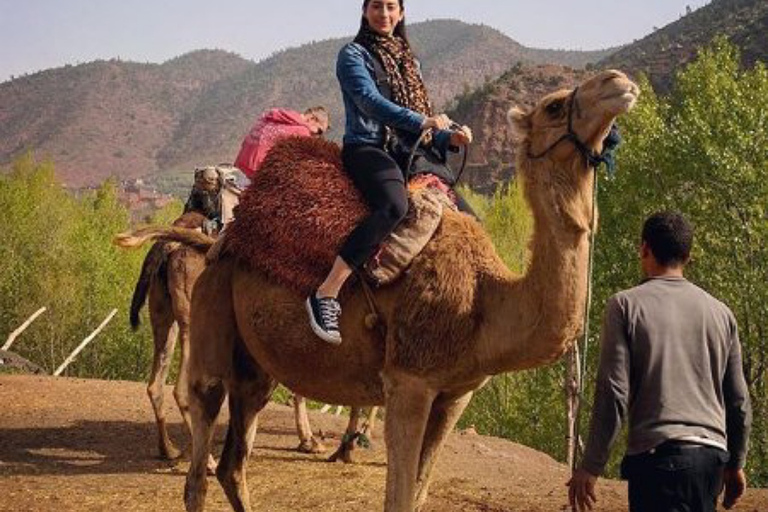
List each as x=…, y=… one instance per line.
x=554, y=109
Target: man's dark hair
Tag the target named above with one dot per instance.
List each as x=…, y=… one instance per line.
x=669, y=237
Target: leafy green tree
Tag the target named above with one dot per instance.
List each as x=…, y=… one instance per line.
x=56, y=251
x=702, y=151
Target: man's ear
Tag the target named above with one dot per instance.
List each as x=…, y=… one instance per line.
x=645, y=250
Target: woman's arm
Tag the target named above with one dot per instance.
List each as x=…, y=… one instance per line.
x=357, y=82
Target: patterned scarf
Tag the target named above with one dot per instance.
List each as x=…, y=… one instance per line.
x=399, y=63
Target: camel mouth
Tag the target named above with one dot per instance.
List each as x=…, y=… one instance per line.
x=626, y=98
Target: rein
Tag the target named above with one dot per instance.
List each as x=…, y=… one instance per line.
x=585, y=336
x=412, y=155
x=594, y=160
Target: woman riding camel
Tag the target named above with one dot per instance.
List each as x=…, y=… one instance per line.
x=387, y=108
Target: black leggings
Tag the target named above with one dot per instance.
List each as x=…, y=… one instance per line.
x=380, y=181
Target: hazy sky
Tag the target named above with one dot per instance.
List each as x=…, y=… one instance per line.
x=39, y=34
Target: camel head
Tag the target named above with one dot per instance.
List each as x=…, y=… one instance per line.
x=554, y=138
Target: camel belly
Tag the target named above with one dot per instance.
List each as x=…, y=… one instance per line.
x=273, y=323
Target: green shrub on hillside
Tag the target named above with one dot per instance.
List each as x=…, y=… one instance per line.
x=56, y=251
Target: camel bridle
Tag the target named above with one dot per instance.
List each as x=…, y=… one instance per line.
x=593, y=158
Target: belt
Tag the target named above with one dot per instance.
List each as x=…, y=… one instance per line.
x=675, y=446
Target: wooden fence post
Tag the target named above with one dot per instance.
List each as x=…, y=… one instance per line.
x=85, y=342
x=23, y=326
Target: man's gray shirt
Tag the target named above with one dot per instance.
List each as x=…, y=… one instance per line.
x=671, y=358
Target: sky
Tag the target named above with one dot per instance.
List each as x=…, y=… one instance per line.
x=41, y=34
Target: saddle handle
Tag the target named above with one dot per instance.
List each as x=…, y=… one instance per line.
x=412, y=155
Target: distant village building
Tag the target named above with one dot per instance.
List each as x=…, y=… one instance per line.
x=141, y=198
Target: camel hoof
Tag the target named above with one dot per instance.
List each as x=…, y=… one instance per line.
x=343, y=454
x=170, y=452
x=311, y=446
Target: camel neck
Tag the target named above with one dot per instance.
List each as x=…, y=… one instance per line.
x=537, y=316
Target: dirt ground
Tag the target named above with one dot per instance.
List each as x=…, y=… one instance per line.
x=87, y=445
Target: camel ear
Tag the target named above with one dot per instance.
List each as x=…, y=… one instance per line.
x=521, y=123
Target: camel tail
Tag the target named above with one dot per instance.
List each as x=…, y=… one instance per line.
x=152, y=262
x=189, y=237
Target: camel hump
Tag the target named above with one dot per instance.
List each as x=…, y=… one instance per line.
x=299, y=209
x=295, y=214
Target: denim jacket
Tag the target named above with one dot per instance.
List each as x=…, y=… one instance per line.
x=367, y=111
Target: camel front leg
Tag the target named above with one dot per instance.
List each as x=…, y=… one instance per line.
x=408, y=403
x=370, y=424
x=307, y=441
x=443, y=417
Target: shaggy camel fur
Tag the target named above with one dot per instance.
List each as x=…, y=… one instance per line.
x=458, y=317
x=167, y=277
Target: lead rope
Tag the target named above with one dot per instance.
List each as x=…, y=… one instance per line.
x=587, y=310
x=373, y=319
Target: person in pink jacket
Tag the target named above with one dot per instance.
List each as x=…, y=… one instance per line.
x=271, y=126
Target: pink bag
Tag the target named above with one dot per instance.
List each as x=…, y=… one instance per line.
x=270, y=127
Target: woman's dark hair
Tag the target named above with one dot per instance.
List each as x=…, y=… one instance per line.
x=669, y=237
x=399, y=28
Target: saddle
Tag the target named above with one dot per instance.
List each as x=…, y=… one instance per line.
x=300, y=207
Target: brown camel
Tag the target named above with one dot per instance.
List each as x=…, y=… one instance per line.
x=458, y=317
x=168, y=275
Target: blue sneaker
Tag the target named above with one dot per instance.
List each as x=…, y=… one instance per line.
x=324, y=315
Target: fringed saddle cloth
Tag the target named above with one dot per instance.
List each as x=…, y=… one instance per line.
x=299, y=209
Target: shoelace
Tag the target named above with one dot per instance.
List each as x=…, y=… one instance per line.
x=329, y=312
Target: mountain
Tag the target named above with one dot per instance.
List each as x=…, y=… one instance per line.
x=491, y=159
x=125, y=119
x=660, y=54
x=105, y=118
x=455, y=57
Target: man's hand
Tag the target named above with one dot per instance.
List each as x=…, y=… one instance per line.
x=581, y=490
x=439, y=122
x=461, y=136
x=735, y=483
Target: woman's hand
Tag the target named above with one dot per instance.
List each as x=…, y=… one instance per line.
x=439, y=122
x=461, y=136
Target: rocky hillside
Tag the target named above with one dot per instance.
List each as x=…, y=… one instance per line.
x=660, y=54
x=127, y=119
x=107, y=117
x=485, y=109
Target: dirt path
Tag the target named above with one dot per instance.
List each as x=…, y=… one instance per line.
x=84, y=445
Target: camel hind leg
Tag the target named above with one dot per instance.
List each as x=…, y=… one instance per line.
x=205, y=399
x=308, y=443
x=164, y=334
x=249, y=390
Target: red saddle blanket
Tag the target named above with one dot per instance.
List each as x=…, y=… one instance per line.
x=296, y=213
x=299, y=209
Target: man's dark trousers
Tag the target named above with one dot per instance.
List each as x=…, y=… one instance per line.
x=675, y=477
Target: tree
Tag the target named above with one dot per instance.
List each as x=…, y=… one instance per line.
x=702, y=151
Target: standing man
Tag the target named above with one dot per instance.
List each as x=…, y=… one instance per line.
x=671, y=360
